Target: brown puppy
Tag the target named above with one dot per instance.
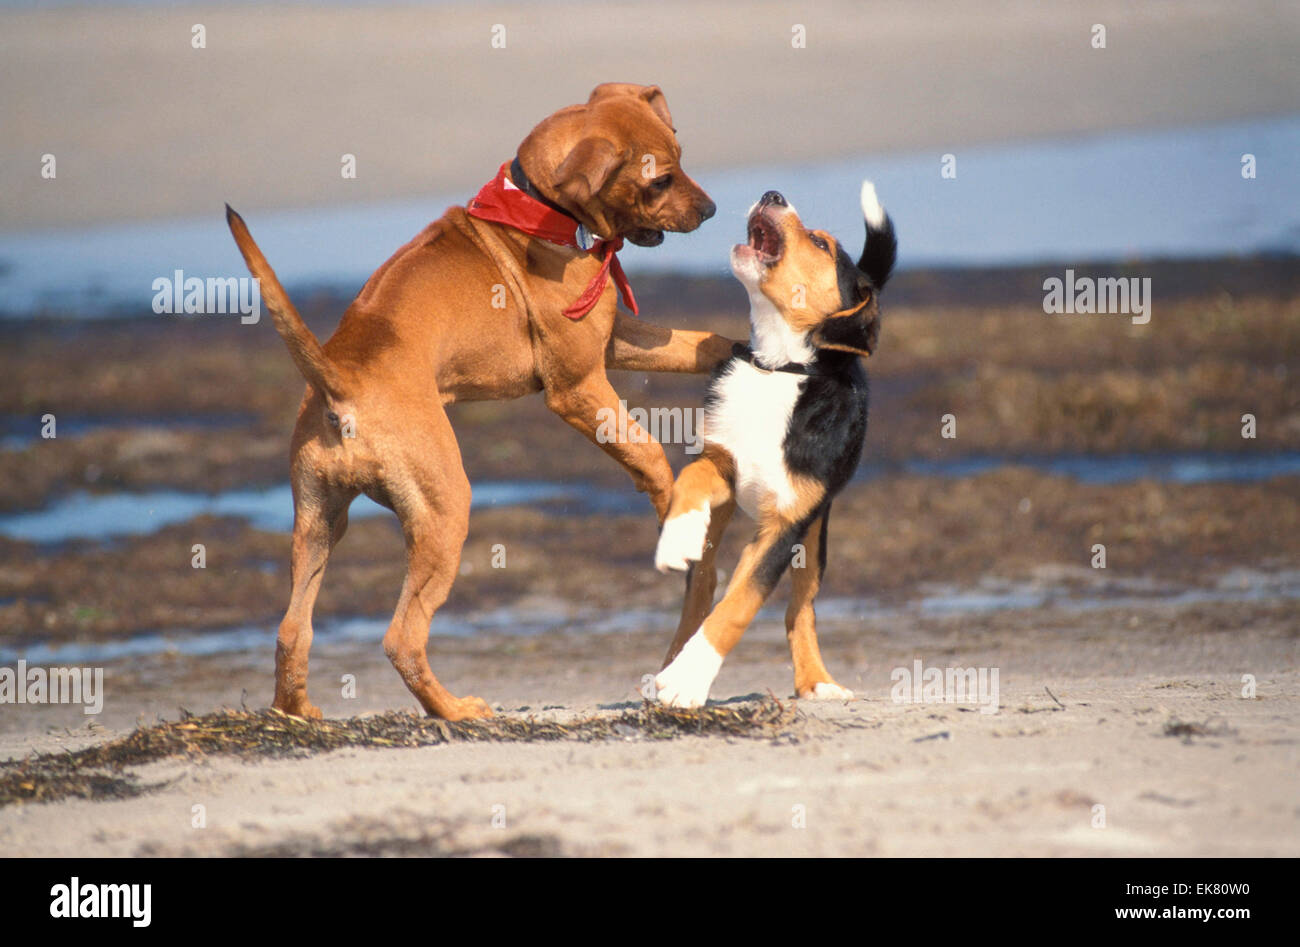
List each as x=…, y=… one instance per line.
x=783, y=429
x=475, y=309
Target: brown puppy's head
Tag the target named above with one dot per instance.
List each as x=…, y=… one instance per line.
x=614, y=165
x=806, y=293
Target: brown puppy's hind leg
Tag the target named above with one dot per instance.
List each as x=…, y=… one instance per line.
x=319, y=521
x=430, y=494
x=811, y=679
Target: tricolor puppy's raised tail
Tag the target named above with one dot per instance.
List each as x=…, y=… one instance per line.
x=881, y=248
x=304, y=348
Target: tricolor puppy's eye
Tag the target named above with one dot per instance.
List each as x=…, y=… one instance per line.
x=820, y=242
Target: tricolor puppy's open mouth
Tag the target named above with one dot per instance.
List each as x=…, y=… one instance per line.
x=753, y=260
x=765, y=238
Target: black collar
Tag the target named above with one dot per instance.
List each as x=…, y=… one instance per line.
x=528, y=187
x=742, y=351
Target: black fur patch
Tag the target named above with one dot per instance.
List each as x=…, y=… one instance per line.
x=822, y=539
x=879, y=254
x=860, y=330
x=711, y=391
x=848, y=276
x=829, y=422
x=777, y=559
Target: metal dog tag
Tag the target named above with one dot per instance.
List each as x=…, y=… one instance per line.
x=586, y=240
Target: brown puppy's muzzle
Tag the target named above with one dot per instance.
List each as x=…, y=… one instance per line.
x=688, y=207
x=699, y=207
x=705, y=208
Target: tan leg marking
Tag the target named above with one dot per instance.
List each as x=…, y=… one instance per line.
x=701, y=582
x=703, y=483
x=811, y=679
x=744, y=596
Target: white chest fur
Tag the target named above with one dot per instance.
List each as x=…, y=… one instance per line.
x=749, y=417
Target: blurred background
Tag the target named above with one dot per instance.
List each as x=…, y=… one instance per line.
x=1105, y=137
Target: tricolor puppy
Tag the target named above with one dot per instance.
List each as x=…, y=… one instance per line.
x=785, y=418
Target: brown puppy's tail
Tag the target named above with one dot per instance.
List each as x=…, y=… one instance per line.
x=304, y=348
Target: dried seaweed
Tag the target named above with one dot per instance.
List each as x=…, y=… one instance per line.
x=99, y=772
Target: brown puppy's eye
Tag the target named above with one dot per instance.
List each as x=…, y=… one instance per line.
x=662, y=183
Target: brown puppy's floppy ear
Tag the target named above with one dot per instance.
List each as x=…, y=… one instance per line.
x=583, y=173
x=856, y=331
x=658, y=104
x=586, y=168
x=652, y=94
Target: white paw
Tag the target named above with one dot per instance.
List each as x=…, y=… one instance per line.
x=682, y=540
x=686, y=682
x=825, y=690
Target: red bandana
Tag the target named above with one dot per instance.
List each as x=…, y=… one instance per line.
x=501, y=201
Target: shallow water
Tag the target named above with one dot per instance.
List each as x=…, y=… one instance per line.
x=84, y=515
x=108, y=516
x=18, y=432
x=1175, y=193
x=258, y=642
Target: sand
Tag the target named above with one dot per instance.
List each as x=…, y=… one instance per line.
x=873, y=777
x=143, y=125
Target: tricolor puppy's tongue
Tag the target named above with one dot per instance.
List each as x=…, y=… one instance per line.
x=764, y=237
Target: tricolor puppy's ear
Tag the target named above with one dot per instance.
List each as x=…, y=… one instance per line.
x=856, y=332
x=585, y=169
x=881, y=247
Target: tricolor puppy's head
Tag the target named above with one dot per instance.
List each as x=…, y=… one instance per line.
x=821, y=297
x=615, y=164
